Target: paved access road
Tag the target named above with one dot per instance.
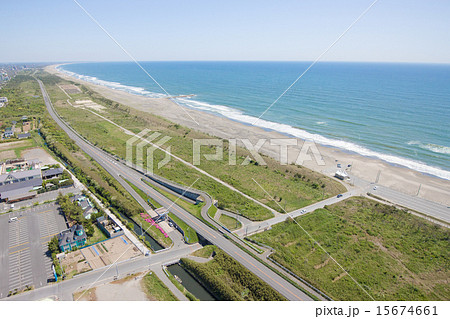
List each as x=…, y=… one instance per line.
x=421, y=205
x=40, y=198
x=64, y=290
x=24, y=258
x=117, y=169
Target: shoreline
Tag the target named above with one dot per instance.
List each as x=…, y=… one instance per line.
x=392, y=175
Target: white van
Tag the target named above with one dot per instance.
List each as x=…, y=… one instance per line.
x=13, y=219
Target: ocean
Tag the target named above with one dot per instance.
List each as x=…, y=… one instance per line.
x=399, y=113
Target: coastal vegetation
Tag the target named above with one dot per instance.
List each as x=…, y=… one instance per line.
x=392, y=254
x=155, y=289
x=230, y=222
x=289, y=186
x=227, y=279
x=23, y=91
x=190, y=236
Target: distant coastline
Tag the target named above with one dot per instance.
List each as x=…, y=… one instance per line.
x=364, y=167
x=286, y=129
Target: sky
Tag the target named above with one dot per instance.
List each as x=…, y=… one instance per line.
x=283, y=30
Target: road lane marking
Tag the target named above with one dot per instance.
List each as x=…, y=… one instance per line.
x=267, y=276
x=45, y=211
x=50, y=235
x=19, y=245
x=19, y=250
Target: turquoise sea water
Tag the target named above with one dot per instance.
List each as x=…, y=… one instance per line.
x=397, y=112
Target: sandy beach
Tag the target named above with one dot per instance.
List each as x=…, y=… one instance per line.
x=399, y=178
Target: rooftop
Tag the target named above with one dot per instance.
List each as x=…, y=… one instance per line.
x=69, y=236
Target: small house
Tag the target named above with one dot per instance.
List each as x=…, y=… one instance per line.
x=72, y=238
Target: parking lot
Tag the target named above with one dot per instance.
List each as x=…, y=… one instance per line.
x=24, y=258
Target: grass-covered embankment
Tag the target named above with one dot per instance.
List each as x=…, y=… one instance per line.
x=190, y=236
x=155, y=289
x=229, y=280
x=394, y=255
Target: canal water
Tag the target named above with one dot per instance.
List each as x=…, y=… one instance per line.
x=190, y=283
x=154, y=245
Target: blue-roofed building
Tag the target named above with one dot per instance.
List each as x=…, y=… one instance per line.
x=9, y=132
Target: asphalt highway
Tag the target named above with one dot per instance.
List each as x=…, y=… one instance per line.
x=119, y=170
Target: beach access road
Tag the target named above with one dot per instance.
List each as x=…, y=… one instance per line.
x=423, y=206
x=117, y=169
x=256, y=227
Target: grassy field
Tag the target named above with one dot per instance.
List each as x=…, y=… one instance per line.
x=155, y=289
x=205, y=252
x=190, y=236
x=144, y=195
x=229, y=280
x=194, y=209
x=291, y=186
x=394, y=255
x=97, y=236
x=212, y=210
x=230, y=222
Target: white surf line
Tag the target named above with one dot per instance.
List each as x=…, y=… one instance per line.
x=134, y=60
x=188, y=164
x=316, y=242
x=316, y=60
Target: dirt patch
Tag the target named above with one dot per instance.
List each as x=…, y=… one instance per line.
x=7, y=155
x=88, y=104
x=110, y=251
x=70, y=88
x=339, y=277
x=75, y=263
x=126, y=289
x=39, y=153
x=322, y=264
x=7, y=146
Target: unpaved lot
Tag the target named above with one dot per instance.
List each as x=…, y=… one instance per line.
x=127, y=289
x=7, y=146
x=110, y=251
x=39, y=153
x=7, y=155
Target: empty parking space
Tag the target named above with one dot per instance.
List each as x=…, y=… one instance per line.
x=18, y=232
x=26, y=261
x=49, y=224
x=20, y=272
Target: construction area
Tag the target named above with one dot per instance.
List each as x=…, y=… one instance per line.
x=70, y=88
x=99, y=255
x=88, y=104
